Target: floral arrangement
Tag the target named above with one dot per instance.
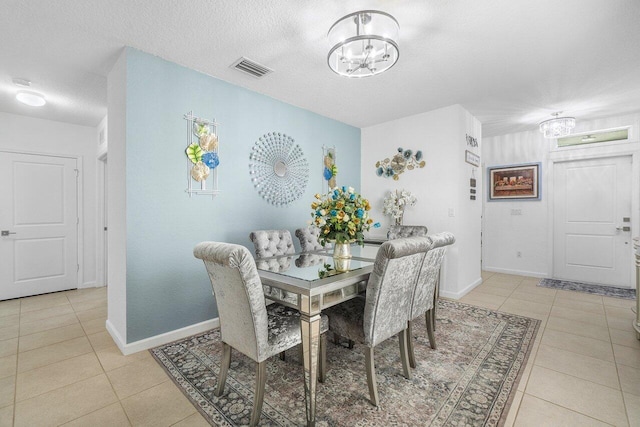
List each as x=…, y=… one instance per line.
x=399, y=163
x=203, y=154
x=395, y=203
x=342, y=215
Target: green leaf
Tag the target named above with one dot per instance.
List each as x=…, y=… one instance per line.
x=194, y=153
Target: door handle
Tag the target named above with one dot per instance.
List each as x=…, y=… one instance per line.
x=623, y=228
x=6, y=232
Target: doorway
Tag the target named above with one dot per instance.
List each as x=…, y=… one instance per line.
x=592, y=221
x=38, y=224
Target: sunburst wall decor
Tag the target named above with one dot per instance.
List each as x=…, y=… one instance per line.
x=278, y=168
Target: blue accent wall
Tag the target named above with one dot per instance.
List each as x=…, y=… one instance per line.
x=167, y=288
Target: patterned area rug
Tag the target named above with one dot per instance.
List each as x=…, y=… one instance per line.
x=607, y=291
x=469, y=380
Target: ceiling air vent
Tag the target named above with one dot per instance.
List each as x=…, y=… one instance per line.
x=251, y=67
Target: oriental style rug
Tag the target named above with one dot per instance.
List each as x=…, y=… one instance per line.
x=607, y=291
x=469, y=380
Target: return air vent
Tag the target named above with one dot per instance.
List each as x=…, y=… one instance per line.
x=251, y=67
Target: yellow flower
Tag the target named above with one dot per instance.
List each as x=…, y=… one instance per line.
x=341, y=215
x=318, y=196
x=356, y=220
x=369, y=221
x=326, y=230
x=314, y=205
x=345, y=218
x=340, y=204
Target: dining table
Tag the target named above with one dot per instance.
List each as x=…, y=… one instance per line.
x=310, y=282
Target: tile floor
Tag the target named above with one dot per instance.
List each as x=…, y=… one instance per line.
x=59, y=366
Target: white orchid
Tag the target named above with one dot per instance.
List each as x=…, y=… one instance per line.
x=395, y=203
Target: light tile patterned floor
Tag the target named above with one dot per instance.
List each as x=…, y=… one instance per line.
x=59, y=366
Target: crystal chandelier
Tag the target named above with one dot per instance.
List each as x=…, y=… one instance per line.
x=363, y=44
x=558, y=126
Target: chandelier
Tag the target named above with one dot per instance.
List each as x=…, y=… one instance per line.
x=363, y=44
x=558, y=126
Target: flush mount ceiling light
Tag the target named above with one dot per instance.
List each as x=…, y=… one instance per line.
x=33, y=99
x=558, y=126
x=363, y=44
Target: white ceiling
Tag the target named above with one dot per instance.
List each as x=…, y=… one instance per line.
x=511, y=63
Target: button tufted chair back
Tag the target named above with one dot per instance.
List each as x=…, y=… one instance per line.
x=400, y=231
x=308, y=237
x=270, y=243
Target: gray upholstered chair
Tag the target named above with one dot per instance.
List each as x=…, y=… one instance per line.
x=308, y=237
x=270, y=243
x=400, y=231
x=246, y=323
x=385, y=310
x=424, y=299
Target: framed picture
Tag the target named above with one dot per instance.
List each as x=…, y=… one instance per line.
x=471, y=158
x=516, y=182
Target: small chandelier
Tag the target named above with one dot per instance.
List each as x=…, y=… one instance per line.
x=558, y=126
x=363, y=44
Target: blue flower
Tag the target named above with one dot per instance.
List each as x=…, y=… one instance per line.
x=379, y=171
x=210, y=159
x=344, y=189
x=407, y=154
x=327, y=174
x=352, y=197
x=418, y=155
x=318, y=213
x=376, y=225
x=399, y=149
x=360, y=213
x=333, y=212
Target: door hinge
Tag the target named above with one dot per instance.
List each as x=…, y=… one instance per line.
x=77, y=172
x=78, y=268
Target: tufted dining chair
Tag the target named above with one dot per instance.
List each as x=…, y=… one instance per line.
x=246, y=323
x=270, y=243
x=385, y=310
x=424, y=299
x=308, y=237
x=400, y=231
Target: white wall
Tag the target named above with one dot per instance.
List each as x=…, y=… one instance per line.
x=442, y=186
x=530, y=233
x=117, y=196
x=30, y=135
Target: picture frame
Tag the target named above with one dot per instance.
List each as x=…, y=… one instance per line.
x=471, y=158
x=514, y=182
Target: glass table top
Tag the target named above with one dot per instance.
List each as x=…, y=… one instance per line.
x=309, y=266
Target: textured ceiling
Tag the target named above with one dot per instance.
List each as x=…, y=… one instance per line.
x=510, y=63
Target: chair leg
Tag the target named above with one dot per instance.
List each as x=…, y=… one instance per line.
x=261, y=378
x=336, y=338
x=430, y=327
x=283, y=356
x=224, y=368
x=412, y=356
x=404, y=354
x=322, y=364
x=371, y=376
x=351, y=344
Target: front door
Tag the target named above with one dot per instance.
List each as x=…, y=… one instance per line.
x=38, y=224
x=592, y=221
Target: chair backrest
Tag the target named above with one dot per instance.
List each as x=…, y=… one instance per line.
x=270, y=243
x=390, y=287
x=400, y=231
x=308, y=237
x=430, y=274
x=239, y=296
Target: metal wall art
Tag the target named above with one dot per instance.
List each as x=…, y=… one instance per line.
x=202, y=155
x=402, y=161
x=278, y=169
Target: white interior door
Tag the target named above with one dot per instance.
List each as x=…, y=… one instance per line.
x=39, y=223
x=592, y=207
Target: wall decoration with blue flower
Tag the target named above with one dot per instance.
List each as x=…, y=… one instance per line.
x=403, y=160
x=329, y=168
x=202, y=154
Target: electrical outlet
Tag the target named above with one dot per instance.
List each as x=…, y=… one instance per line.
x=516, y=211
x=452, y=213
x=518, y=254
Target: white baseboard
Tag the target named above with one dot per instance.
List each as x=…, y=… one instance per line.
x=515, y=272
x=161, y=339
x=463, y=292
x=86, y=285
